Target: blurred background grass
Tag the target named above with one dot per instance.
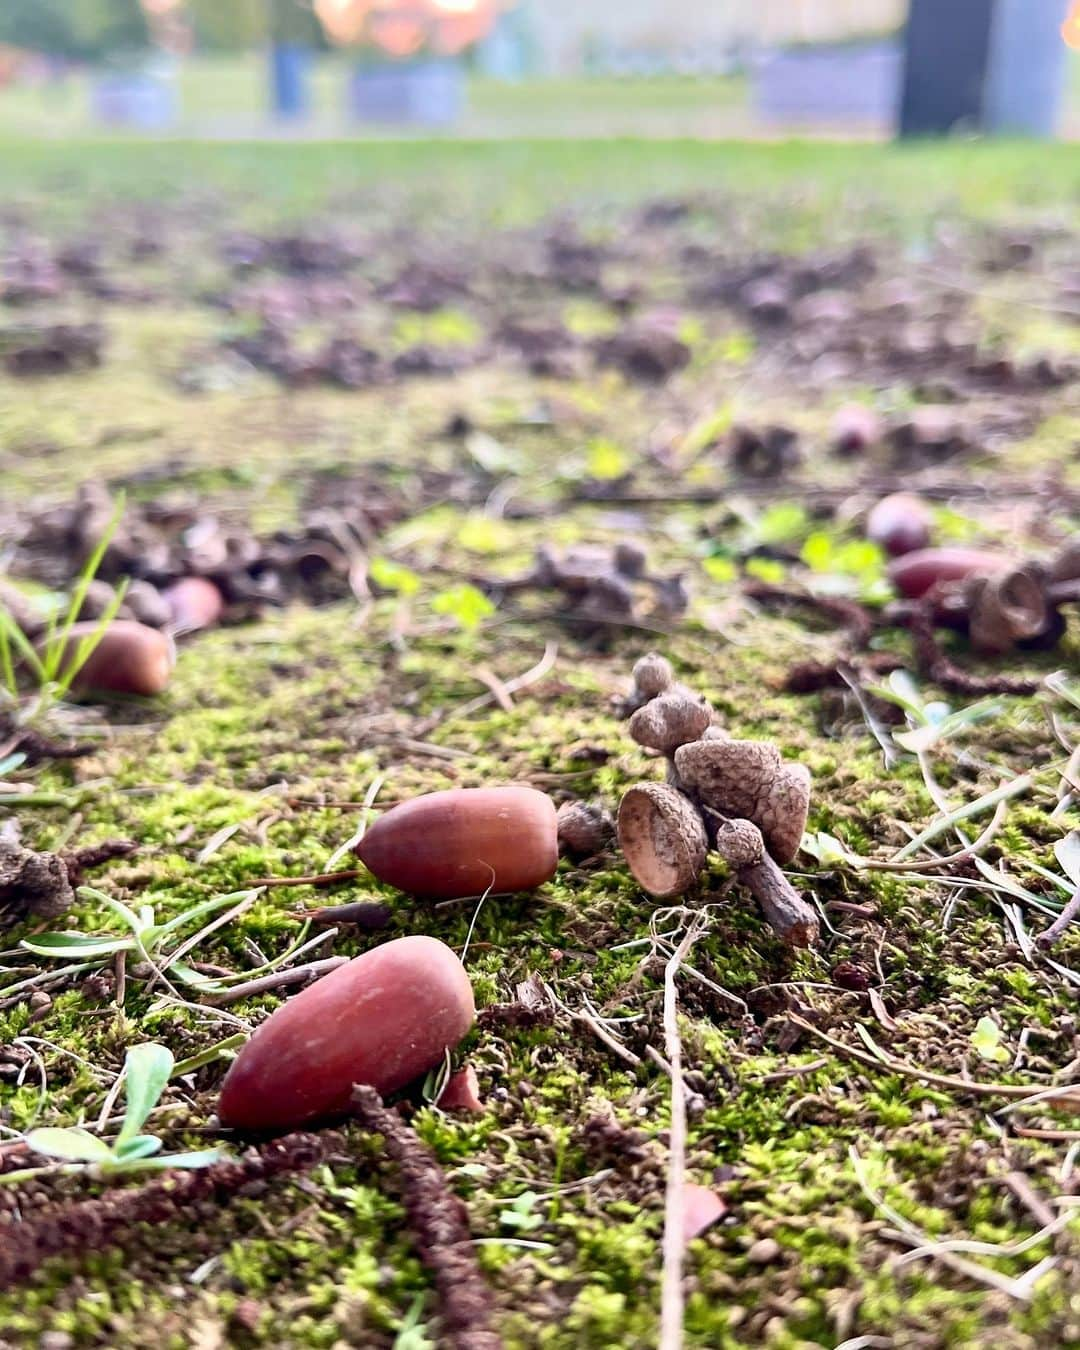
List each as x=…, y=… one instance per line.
x=224, y=97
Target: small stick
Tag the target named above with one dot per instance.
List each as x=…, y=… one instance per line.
x=671, y=1305
x=1032, y=1201
x=316, y=879
x=278, y=979
x=1063, y=920
x=120, y=971
x=1013, y=1091
x=784, y=908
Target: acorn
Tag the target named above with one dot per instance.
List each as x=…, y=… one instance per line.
x=129, y=658
x=855, y=428
x=465, y=841
x=914, y=574
x=194, y=602
x=382, y=1019
x=900, y=523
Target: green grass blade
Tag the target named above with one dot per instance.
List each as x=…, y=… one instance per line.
x=86, y=646
x=976, y=808
x=90, y=568
x=13, y=633
x=198, y=911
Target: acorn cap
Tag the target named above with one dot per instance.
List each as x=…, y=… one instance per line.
x=749, y=779
x=1007, y=608
x=671, y=719
x=739, y=843
x=653, y=674
x=584, y=828
x=662, y=836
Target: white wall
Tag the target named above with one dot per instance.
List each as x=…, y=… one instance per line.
x=562, y=29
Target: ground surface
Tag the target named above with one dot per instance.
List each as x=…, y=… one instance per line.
x=272, y=725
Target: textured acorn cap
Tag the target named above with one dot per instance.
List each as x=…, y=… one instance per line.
x=653, y=674
x=749, y=779
x=584, y=828
x=1006, y=609
x=739, y=843
x=671, y=719
x=662, y=836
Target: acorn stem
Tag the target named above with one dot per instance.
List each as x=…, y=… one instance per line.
x=784, y=908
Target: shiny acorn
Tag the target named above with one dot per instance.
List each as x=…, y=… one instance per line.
x=194, y=602
x=382, y=1019
x=900, y=523
x=913, y=574
x=465, y=841
x=129, y=658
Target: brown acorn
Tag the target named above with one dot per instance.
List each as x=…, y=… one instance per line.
x=382, y=1019
x=465, y=841
x=129, y=658
x=913, y=574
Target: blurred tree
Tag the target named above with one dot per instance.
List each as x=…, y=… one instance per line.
x=294, y=21
x=39, y=25
x=235, y=26
x=102, y=27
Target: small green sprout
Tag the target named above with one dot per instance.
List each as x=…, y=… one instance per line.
x=158, y=944
x=931, y=722
x=147, y=939
x=147, y=1070
x=465, y=604
x=392, y=576
x=605, y=460
x=986, y=1041
x=519, y=1215
x=412, y=1334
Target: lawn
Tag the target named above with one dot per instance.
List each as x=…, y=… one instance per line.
x=391, y=381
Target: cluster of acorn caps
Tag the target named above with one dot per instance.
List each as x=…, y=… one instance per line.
x=739, y=798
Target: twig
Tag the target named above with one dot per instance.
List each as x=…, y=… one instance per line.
x=594, y=1026
x=499, y=691
x=1031, y=1200
x=1064, y=919
x=278, y=979
x=316, y=879
x=671, y=1303
x=117, y=1218
x=1011, y=1090
x=934, y=665
x=530, y=676
x=350, y=843
x=795, y=1071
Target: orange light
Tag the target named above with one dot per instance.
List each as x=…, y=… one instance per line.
x=402, y=27
x=1070, y=29
x=343, y=20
